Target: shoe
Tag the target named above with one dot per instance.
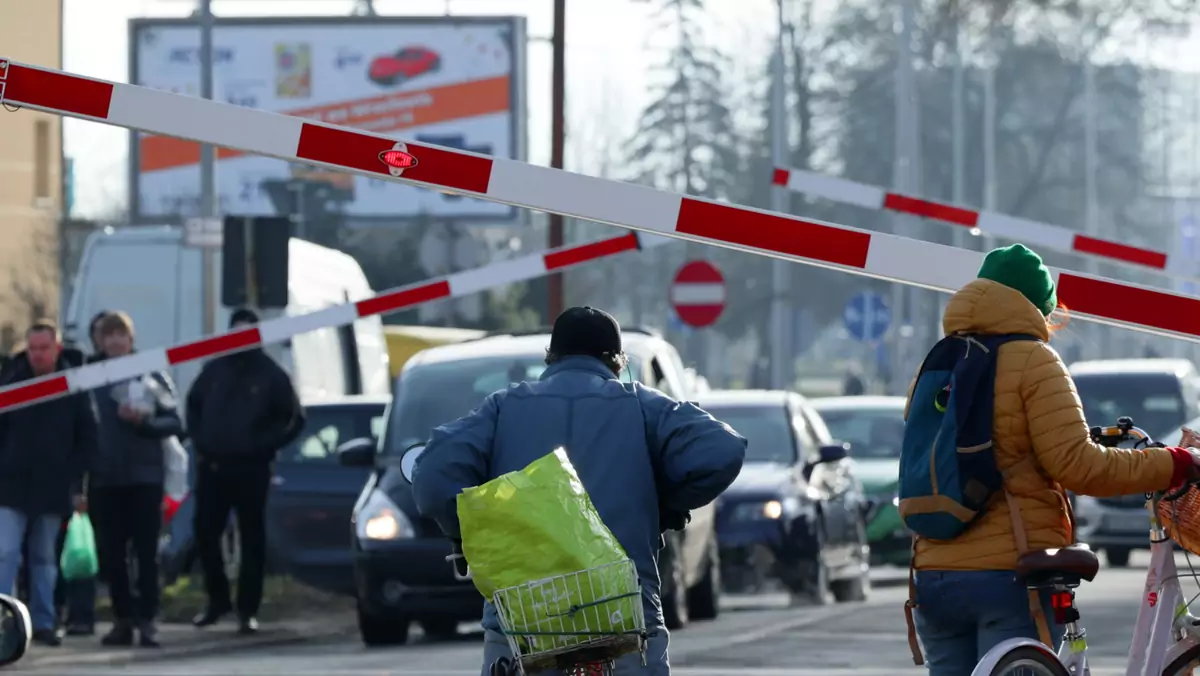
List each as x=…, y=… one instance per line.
x=210, y=616
x=148, y=636
x=248, y=626
x=46, y=637
x=120, y=636
x=81, y=629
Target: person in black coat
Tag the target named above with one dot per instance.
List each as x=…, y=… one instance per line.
x=241, y=410
x=44, y=449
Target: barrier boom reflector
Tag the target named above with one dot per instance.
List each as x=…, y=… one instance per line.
x=1032, y=233
x=861, y=252
x=278, y=330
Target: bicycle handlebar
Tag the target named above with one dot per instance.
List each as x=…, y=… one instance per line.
x=1125, y=431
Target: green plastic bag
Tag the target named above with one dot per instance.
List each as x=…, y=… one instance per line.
x=531, y=533
x=79, y=560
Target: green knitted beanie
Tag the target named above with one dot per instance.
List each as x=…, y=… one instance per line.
x=1019, y=268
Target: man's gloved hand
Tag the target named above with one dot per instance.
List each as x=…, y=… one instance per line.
x=669, y=519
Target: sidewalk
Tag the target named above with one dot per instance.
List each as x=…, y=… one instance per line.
x=185, y=640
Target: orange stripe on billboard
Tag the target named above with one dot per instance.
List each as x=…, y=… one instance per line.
x=392, y=112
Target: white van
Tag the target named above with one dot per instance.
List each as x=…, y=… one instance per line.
x=149, y=273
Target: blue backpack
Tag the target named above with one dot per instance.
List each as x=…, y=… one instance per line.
x=947, y=463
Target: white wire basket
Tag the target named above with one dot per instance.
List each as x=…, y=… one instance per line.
x=560, y=622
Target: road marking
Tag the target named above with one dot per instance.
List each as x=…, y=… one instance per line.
x=711, y=645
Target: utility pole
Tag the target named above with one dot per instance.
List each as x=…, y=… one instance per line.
x=905, y=175
x=783, y=371
x=208, y=174
x=557, y=143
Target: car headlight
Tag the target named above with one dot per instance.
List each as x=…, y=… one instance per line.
x=380, y=519
x=770, y=510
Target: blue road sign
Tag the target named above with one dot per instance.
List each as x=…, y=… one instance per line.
x=867, y=316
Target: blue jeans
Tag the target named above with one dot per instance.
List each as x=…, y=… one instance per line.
x=495, y=646
x=42, y=567
x=961, y=615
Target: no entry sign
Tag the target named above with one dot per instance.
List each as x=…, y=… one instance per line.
x=698, y=293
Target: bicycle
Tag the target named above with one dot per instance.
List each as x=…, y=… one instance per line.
x=1165, y=632
x=553, y=623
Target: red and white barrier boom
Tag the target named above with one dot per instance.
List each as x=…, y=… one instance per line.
x=876, y=255
x=1032, y=233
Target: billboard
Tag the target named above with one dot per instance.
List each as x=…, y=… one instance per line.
x=452, y=81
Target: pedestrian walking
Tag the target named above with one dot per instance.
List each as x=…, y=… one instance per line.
x=75, y=600
x=44, y=449
x=126, y=485
x=241, y=410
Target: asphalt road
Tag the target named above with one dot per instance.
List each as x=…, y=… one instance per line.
x=755, y=636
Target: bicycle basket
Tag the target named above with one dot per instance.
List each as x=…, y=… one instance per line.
x=1181, y=518
x=587, y=616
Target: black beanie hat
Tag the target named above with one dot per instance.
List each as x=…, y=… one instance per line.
x=586, y=331
x=243, y=315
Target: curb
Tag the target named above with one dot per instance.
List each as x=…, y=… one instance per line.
x=220, y=644
x=885, y=582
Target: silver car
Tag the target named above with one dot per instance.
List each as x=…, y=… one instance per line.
x=1159, y=394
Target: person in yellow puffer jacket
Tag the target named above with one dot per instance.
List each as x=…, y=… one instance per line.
x=967, y=598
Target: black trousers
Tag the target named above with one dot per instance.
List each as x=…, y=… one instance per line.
x=242, y=488
x=124, y=516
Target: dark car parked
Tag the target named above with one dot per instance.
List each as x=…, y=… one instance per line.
x=311, y=500
x=796, y=513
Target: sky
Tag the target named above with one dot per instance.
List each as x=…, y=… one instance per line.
x=606, y=67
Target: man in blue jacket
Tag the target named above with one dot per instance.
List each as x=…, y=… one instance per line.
x=644, y=458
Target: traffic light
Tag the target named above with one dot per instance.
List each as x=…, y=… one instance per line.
x=254, y=269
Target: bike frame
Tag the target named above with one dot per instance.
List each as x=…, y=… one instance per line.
x=1164, y=629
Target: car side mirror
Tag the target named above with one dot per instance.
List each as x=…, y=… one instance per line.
x=15, y=630
x=408, y=461
x=834, y=453
x=357, y=453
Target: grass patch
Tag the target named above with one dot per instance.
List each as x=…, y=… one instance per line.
x=283, y=599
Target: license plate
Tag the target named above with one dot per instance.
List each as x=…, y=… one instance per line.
x=1137, y=521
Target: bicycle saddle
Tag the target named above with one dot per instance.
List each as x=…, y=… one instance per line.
x=1068, y=565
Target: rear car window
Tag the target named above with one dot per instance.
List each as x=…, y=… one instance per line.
x=872, y=432
x=1154, y=401
x=767, y=429
x=327, y=427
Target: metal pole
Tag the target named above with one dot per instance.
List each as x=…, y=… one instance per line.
x=989, y=135
x=558, y=86
x=904, y=176
x=782, y=367
x=958, y=130
x=208, y=174
x=1091, y=205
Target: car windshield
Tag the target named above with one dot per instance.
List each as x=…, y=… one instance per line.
x=873, y=433
x=433, y=394
x=766, y=428
x=1153, y=401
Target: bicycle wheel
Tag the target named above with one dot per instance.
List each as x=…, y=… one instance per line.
x=1184, y=664
x=1029, y=661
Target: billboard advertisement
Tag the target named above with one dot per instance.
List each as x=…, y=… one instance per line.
x=452, y=81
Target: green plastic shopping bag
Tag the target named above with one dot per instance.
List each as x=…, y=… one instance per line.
x=79, y=560
x=530, y=533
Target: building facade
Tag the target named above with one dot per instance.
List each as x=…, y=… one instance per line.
x=31, y=176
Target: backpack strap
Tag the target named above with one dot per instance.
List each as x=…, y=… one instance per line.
x=914, y=645
x=1022, y=542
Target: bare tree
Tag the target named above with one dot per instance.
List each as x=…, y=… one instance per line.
x=34, y=280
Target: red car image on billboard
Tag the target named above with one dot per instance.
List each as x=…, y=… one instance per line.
x=390, y=70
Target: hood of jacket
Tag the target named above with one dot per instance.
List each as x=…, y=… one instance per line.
x=988, y=307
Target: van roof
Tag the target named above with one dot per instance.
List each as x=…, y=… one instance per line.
x=745, y=397
x=509, y=345
x=856, y=402
x=1176, y=367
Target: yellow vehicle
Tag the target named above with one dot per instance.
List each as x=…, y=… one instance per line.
x=405, y=341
